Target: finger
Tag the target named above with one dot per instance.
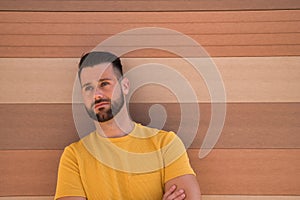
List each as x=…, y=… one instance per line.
x=180, y=197
x=176, y=195
x=169, y=192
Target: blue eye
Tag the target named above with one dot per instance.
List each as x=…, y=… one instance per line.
x=88, y=88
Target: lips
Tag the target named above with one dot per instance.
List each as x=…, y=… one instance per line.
x=99, y=105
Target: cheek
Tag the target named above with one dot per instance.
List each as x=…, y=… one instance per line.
x=87, y=101
x=116, y=93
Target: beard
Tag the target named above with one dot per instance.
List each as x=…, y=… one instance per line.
x=106, y=114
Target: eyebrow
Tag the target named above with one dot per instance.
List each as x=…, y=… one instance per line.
x=100, y=80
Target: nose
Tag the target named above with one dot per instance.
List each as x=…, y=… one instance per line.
x=98, y=94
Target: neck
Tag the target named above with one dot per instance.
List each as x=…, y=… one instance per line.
x=118, y=126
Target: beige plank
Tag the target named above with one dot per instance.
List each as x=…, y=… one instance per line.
x=246, y=79
x=142, y=5
x=251, y=125
x=37, y=80
x=228, y=172
x=203, y=197
x=149, y=17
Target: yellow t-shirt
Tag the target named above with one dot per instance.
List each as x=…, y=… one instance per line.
x=135, y=166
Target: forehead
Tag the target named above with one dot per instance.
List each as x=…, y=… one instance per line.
x=94, y=73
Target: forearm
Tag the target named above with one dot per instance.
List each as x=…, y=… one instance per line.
x=188, y=183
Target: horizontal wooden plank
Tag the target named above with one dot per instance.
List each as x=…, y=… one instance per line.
x=183, y=27
x=214, y=51
x=28, y=172
x=50, y=34
x=246, y=79
x=142, y=41
x=248, y=197
x=149, y=17
x=261, y=172
x=27, y=198
x=203, y=197
x=40, y=126
x=239, y=171
x=51, y=126
x=142, y=5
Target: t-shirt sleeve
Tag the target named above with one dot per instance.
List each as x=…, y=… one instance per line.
x=69, y=181
x=176, y=159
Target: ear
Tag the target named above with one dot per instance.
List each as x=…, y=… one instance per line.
x=125, y=85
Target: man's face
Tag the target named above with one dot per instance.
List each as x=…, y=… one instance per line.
x=102, y=92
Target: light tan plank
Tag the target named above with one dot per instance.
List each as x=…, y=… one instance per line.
x=150, y=17
x=203, y=197
x=51, y=126
x=180, y=5
x=239, y=171
x=250, y=79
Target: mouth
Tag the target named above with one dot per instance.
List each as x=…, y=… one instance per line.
x=101, y=105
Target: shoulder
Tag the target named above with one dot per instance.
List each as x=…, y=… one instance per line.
x=148, y=132
x=157, y=136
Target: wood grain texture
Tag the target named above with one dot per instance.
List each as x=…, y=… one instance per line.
x=168, y=40
x=238, y=172
x=273, y=172
x=248, y=79
x=28, y=172
x=150, y=17
x=251, y=125
x=38, y=34
x=203, y=197
x=213, y=51
x=240, y=197
x=142, y=5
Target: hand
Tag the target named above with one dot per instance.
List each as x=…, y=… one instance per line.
x=172, y=194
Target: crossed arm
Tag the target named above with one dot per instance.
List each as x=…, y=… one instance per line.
x=179, y=188
x=182, y=187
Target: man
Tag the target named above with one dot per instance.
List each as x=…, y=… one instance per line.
x=121, y=159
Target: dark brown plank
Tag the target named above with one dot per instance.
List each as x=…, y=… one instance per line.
x=142, y=5
x=247, y=125
x=36, y=126
x=238, y=172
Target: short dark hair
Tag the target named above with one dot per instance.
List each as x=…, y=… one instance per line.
x=98, y=57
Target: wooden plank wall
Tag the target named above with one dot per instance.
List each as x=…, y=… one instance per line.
x=254, y=43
